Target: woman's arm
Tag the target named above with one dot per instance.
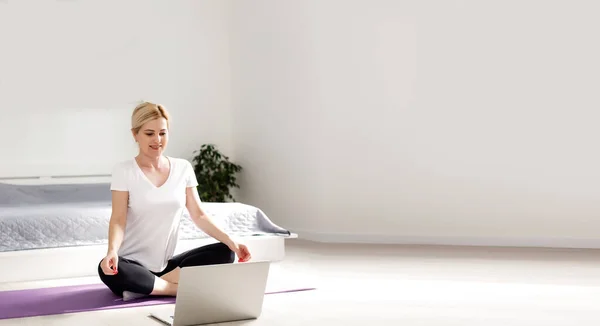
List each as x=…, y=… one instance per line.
x=202, y=220
x=116, y=228
x=205, y=223
x=116, y=231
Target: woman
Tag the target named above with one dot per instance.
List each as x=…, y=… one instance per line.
x=149, y=195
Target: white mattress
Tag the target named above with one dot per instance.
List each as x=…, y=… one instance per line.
x=51, y=216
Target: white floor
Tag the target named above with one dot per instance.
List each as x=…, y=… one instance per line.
x=407, y=285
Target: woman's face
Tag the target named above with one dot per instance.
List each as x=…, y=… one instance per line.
x=153, y=137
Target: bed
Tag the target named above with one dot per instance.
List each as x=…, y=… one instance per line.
x=50, y=231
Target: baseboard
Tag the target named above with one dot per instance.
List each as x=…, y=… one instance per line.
x=544, y=242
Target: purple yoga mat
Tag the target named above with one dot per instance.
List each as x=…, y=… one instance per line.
x=74, y=298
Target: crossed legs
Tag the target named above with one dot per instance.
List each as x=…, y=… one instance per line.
x=135, y=279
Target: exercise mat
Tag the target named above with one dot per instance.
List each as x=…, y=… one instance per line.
x=78, y=298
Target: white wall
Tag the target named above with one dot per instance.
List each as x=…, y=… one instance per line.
x=275, y=110
x=72, y=71
x=435, y=121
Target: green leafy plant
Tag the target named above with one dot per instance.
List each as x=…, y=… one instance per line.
x=215, y=174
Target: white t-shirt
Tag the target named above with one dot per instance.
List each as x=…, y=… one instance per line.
x=153, y=213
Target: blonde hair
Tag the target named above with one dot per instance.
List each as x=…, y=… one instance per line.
x=145, y=112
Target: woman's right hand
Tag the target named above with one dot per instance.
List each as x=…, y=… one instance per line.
x=110, y=263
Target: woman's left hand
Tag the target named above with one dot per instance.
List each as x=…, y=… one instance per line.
x=241, y=251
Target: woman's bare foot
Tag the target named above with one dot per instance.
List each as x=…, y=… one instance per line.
x=172, y=276
x=163, y=287
x=128, y=295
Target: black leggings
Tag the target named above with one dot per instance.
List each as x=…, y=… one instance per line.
x=133, y=277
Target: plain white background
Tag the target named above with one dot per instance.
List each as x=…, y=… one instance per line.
x=429, y=121
x=424, y=121
x=71, y=73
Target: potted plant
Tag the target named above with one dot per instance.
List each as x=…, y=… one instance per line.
x=215, y=174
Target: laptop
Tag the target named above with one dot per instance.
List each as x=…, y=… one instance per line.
x=218, y=293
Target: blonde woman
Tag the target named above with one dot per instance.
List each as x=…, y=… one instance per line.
x=149, y=195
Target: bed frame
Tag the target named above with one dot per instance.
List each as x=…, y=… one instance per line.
x=82, y=261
